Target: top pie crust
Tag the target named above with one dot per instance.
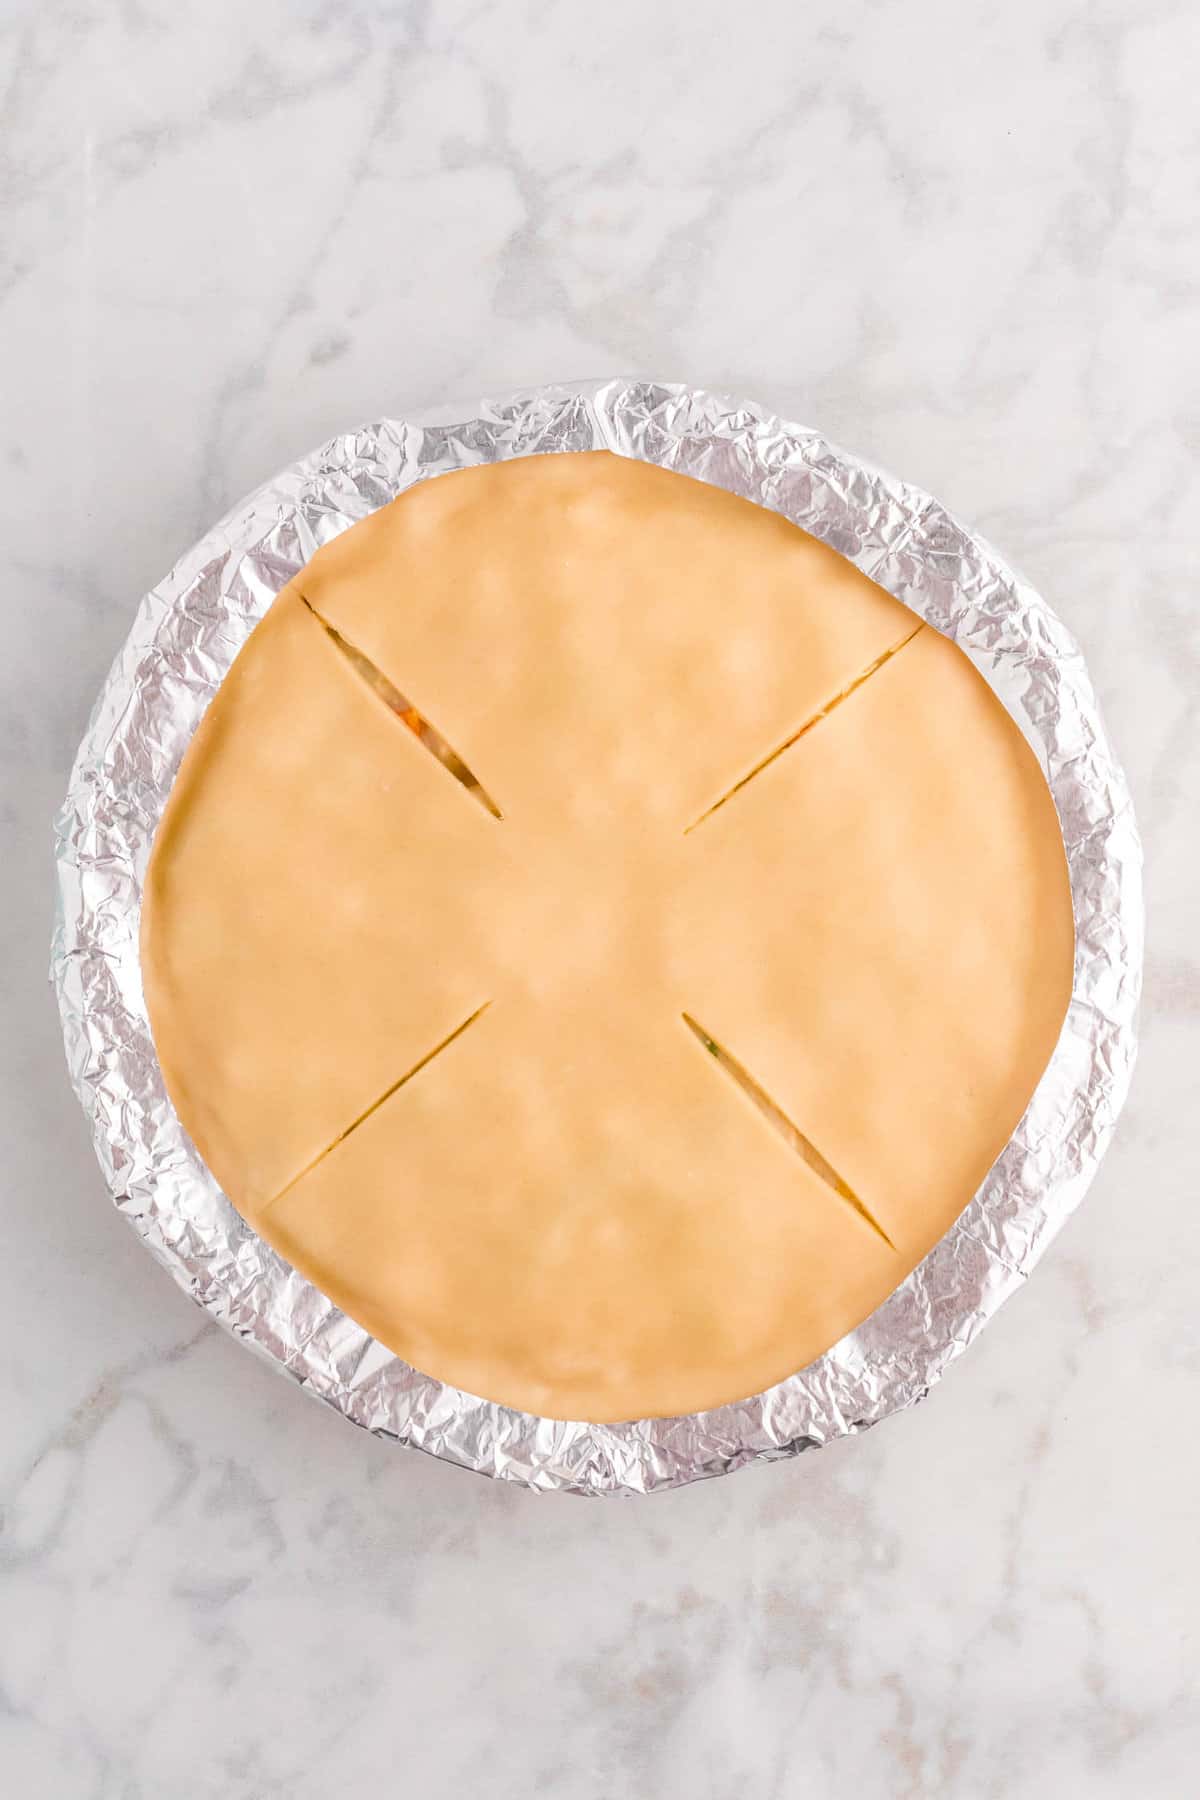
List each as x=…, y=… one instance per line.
x=600, y=937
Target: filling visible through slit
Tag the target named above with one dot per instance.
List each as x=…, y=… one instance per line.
x=778, y=1119
x=417, y=723
x=422, y=1063
x=822, y=712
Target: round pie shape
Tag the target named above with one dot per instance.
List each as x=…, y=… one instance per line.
x=600, y=937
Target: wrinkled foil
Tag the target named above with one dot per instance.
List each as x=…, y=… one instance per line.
x=186, y=634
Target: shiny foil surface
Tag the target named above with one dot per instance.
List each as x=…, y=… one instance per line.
x=186, y=634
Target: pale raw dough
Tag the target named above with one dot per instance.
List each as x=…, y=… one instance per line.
x=440, y=1057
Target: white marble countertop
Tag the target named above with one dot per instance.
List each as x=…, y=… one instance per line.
x=960, y=238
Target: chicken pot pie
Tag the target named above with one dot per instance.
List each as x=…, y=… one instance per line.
x=600, y=938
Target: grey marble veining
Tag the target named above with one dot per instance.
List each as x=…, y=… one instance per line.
x=962, y=239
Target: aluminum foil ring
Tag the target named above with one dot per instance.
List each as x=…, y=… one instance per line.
x=186, y=634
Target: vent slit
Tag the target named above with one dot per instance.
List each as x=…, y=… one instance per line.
x=422, y=1063
x=422, y=729
x=822, y=712
x=779, y=1121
